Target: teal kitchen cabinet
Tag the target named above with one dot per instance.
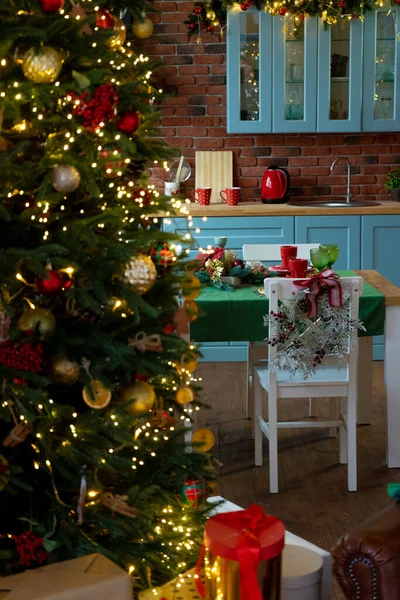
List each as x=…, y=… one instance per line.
x=249, y=56
x=341, y=230
x=381, y=93
x=238, y=231
x=294, y=77
x=340, y=76
x=380, y=250
x=287, y=75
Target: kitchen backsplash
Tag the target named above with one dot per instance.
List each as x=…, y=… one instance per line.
x=195, y=119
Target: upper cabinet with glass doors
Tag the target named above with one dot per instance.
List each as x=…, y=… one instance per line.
x=288, y=75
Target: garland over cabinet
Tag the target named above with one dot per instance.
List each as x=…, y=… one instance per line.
x=288, y=75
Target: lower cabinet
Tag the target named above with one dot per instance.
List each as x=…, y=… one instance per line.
x=341, y=230
x=365, y=242
x=380, y=250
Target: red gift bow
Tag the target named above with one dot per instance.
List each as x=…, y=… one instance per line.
x=327, y=279
x=251, y=522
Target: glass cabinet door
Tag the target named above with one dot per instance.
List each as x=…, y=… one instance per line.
x=381, y=109
x=340, y=76
x=294, y=74
x=249, y=77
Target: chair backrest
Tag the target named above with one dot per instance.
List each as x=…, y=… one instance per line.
x=280, y=288
x=272, y=253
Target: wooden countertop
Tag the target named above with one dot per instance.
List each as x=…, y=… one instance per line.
x=257, y=209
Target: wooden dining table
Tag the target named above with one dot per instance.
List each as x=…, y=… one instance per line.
x=237, y=315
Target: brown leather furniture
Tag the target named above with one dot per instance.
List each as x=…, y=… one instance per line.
x=366, y=561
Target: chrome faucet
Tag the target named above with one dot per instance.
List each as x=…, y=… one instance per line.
x=348, y=194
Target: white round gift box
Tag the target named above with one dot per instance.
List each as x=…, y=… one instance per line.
x=301, y=574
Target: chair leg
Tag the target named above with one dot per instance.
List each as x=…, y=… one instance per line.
x=352, y=444
x=312, y=407
x=343, y=436
x=334, y=412
x=273, y=443
x=257, y=429
x=249, y=383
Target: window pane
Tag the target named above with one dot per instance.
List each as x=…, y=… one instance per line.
x=294, y=71
x=249, y=67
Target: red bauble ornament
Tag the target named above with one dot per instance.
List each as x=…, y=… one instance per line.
x=193, y=26
x=245, y=6
x=30, y=549
x=51, y=6
x=197, y=10
x=128, y=122
x=53, y=284
x=169, y=329
x=209, y=28
x=105, y=19
x=283, y=11
x=141, y=378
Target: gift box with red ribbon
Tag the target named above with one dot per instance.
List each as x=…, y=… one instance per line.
x=242, y=556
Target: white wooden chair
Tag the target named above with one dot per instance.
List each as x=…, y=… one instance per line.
x=256, y=351
x=329, y=381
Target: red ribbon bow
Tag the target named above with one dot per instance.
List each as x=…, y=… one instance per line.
x=327, y=279
x=245, y=526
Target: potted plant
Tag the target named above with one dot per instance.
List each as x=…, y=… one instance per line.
x=392, y=183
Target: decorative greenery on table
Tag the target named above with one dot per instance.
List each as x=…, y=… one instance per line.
x=208, y=16
x=304, y=343
x=217, y=263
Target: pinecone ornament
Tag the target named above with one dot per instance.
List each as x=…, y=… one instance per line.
x=140, y=273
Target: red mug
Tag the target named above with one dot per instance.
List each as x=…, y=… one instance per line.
x=288, y=252
x=202, y=195
x=231, y=196
x=298, y=267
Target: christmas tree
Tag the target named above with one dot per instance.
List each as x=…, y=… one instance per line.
x=96, y=379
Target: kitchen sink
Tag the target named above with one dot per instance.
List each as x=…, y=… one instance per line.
x=339, y=204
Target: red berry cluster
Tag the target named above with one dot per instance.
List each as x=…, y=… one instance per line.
x=285, y=324
x=3, y=469
x=342, y=3
x=23, y=356
x=101, y=108
x=30, y=549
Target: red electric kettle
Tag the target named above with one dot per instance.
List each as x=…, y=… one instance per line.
x=275, y=185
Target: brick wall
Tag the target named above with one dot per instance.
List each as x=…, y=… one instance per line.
x=195, y=119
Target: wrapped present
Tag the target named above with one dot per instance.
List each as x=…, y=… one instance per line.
x=242, y=556
x=92, y=577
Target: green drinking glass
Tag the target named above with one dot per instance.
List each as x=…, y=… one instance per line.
x=319, y=258
x=333, y=251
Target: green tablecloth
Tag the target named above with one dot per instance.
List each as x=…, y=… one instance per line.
x=237, y=315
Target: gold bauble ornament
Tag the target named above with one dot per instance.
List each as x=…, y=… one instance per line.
x=4, y=472
x=39, y=318
x=66, y=179
x=141, y=273
x=141, y=396
x=143, y=29
x=119, y=37
x=97, y=395
x=192, y=310
x=63, y=370
x=188, y=363
x=191, y=287
x=184, y=395
x=205, y=437
x=42, y=65
x=210, y=14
